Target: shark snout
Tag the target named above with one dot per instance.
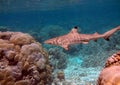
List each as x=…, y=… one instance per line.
x=48, y=42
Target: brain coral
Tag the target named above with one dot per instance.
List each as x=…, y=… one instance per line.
x=110, y=75
x=22, y=60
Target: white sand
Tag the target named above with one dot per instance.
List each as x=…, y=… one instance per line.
x=79, y=75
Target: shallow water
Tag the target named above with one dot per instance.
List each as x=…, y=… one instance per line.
x=88, y=15
x=44, y=19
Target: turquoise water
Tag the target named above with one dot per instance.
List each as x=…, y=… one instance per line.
x=44, y=19
x=88, y=15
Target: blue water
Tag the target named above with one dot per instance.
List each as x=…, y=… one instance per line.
x=89, y=15
x=34, y=16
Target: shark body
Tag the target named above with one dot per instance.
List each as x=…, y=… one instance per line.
x=73, y=37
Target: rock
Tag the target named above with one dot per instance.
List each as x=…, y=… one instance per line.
x=4, y=28
x=60, y=75
x=10, y=54
x=21, y=39
x=23, y=61
x=110, y=74
x=22, y=82
x=58, y=59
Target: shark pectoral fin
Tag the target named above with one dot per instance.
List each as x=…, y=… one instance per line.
x=107, y=39
x=95, y=40
x=85, y=42
x=65, y=47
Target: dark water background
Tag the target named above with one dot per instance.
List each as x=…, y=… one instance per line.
x=89, y=15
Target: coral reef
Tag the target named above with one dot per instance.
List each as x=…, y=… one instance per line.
x=4, y=28
x=22, y=60
x=57, y=58
x=59, y=79
x=98, y=51
x=93, y=57
x=110, y=74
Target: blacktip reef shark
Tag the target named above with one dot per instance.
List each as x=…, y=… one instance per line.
x=73, y=37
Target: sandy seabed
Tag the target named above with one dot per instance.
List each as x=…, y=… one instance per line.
x=81, y=75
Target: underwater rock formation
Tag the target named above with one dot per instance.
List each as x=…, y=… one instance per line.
x=22, y=60
x=94, y=54
x=59, y=79
x=110, y=74
x=4, y=28
x=57, y=58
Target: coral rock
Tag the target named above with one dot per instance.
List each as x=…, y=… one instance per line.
x=21, y=39
x=23, y=61
x=60, y=75
x=10, y=54
x=110, y=75
x=22, y=82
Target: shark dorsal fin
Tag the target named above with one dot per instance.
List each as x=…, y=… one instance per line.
x=96, y=33
x=74, y=30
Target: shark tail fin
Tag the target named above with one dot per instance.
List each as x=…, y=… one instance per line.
x=109, y=33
